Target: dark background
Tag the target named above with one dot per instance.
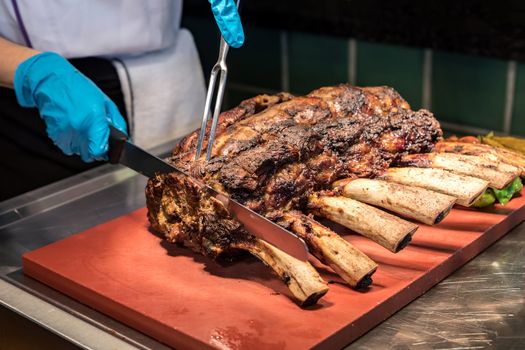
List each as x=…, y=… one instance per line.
x=487, y=28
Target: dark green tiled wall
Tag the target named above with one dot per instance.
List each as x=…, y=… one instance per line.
x=518, y=117
x=469, y=90
x=466, y=90
x=258, y=62
x=316, y=61
x=234, y=95
x=396, y=66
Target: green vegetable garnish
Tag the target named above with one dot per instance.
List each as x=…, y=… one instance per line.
x=485, y=200
x=505, y=195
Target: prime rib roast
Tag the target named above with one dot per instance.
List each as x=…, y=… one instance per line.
x=328, y=154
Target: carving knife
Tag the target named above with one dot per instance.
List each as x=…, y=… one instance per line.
x=122, y=151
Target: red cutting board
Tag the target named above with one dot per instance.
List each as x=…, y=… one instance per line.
x=188, y=301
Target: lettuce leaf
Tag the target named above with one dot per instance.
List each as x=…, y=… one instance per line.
x=485, y=200
x=505, y=195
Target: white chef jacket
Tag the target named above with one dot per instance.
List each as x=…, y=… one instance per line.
x=142, y=36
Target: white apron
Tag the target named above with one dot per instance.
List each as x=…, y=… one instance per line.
x=164, y=93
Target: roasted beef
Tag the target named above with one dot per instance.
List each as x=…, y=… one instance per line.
x=273, y=153
x=275, y=158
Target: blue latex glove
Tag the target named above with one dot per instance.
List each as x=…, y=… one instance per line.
x=229, y=22
x=76, y=112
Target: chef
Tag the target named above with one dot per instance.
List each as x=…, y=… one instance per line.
x=71, y=68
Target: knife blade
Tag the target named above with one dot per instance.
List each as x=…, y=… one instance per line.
x=122, y=151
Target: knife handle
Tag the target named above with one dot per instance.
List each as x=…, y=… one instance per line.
x=116, y=142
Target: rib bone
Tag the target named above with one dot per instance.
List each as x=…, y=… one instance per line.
x=485, y=151
x=347, y=261
x=185, y=214
x=466, y=189
x=301, y=278
x=499, y=175
x=417, y=203
x=385, y=229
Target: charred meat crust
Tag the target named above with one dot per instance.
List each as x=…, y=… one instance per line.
x=246, y=108
x=272, y=152
x=275, y=158
x=182, y=209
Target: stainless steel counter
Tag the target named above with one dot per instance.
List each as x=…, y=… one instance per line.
x=480, y=306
